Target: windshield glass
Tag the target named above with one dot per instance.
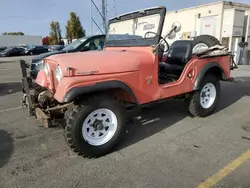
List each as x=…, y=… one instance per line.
x=7, y=49
x=74, y=44
x=30, y=47
x=134, y=28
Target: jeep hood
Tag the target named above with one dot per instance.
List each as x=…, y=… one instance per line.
x=99, y=62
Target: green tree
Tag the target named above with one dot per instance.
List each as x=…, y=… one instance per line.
x=53, y=39
x=68, y=31
x=74, y=29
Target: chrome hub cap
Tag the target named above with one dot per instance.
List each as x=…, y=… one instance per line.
x=99, y=127
x=208, y=95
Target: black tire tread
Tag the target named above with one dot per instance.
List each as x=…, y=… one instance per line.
x=207, y=39
x=194, y=104
x=69, y=124
x=72, y=116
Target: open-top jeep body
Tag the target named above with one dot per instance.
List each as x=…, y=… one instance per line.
x=92, y=91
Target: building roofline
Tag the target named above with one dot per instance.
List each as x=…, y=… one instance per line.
x=208, y=4
x=194, y=7
x=236, y=4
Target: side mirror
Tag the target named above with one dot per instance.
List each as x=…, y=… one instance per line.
x=176, y=26
x=172, y=36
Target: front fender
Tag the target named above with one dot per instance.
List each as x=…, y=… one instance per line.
x=75, y=92
x=208, y=67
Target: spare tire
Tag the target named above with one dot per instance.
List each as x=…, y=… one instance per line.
x=204, y=41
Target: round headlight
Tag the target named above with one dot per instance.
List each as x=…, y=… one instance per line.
x=58, y=74
x=46, y=69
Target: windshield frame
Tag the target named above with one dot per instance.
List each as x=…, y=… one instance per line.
x=143, y=41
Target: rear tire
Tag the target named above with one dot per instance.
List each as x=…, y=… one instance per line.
x=95, y=128
x=203, y=102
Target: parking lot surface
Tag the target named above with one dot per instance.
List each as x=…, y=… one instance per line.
x=12, y=59
x=164, y=147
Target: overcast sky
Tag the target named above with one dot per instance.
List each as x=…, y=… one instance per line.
x=33, y=16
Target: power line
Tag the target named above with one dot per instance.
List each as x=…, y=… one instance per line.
x=99, y=15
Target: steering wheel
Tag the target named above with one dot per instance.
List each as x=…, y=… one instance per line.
x=161, y=38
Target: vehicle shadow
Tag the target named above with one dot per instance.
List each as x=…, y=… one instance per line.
x=6, y=147
x=161, y=116
x=232, y=92
x=154, y=119
x=10, y=88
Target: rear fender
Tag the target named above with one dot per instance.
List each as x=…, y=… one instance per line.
x=212, y=67
x=106, y=86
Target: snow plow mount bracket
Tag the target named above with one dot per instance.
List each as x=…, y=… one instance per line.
x=28, y=100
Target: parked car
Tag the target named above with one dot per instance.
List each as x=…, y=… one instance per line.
x=35, y=50
x=95, y=42
x=24, y=46
x=56, y=48
x=11, y=51
x=2, y=48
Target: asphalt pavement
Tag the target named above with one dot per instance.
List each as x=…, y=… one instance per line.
x=15, y=58
x=164, y=147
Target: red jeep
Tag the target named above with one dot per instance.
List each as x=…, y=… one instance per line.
x=91, y=91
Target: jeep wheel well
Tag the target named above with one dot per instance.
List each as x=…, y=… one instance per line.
x=211, y=68
x=117, y=89
x=115, y=92
x=216, y=71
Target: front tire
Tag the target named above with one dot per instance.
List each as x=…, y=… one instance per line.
x=95, y=128
x=203, y=102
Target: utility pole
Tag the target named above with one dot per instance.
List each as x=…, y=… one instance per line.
x=98, y=16
x=104, y=15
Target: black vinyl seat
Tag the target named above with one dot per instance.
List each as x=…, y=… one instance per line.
x=178, y=56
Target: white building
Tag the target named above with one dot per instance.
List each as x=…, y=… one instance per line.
x=14, y=40
x=227, y=21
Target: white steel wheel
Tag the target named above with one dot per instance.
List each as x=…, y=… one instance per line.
x=99, y=127
x=207, y=95
x=198, y=47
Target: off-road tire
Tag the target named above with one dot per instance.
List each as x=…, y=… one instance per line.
x=195, y=107
x=74, y=123
x=206, y=39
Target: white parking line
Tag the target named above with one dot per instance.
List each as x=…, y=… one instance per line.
x=10, y=109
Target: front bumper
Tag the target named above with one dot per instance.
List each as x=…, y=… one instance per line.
x=29, y=100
